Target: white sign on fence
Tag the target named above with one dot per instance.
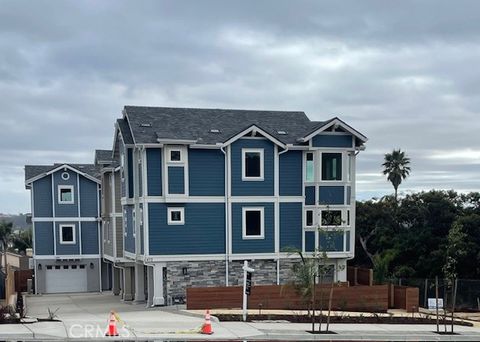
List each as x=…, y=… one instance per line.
x=432, y=303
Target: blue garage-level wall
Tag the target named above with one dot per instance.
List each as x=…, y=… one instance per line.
x=154, y=171
x=88, y=198
x=176, y=180
x=330, y=195
x=42, y=197
x=290, y=225
x=310, y=195
x=324, y=140
x=202, y=233
x=265, y=245
x=67, y=249
x=65, y=210
x=129, y=240
x=252, y=188
x=291, y=173
x=206, y=172
x=90, y=237
x=43, y=238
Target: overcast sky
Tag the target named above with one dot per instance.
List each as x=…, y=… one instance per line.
x=405, y=74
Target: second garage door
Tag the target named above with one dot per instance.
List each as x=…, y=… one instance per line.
x=66, y=278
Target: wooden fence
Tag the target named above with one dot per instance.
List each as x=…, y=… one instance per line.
x=359, y=276
x=21, y=277
x=354, y=298
x=406, y=298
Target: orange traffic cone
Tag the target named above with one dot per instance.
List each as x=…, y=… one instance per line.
x=207, y=326
x=112, y=325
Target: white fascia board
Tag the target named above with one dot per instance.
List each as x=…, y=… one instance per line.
x=125, y=115
x=176, y=141
x=63, y=166
x=257, y=129
x=67, y=257
x=184, y=257
x=342, y=124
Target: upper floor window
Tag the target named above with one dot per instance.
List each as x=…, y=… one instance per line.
x=253, y=223
x=309, y=167
x=332, y=166
x=176, y=216
x=331, y=218
x=175, y=156
x=67, y=234
x=65, y=194
x=252, y=164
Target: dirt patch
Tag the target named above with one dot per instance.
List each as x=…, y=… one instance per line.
x=339, y=319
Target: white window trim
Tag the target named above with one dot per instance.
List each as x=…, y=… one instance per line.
x=244, y=223
x=59, y=197
x=342, y=158
x=262, y=166
x=170, y=150
x=169, y=216
x=65, y=175
x=73, y=231
x=343, y=222
x=313, y=217
x=306, y=162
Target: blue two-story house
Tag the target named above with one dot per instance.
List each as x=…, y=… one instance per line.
x=65, y=202
x=202, y=190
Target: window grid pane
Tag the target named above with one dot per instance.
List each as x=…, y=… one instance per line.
x=331, y=166
x=253, y=223
x=252, y=164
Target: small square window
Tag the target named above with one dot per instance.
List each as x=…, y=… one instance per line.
x=253, y=223
x=57, y=267
x=175, y=155
x=67, y=234
x=65, y=267
x=49, y=267
x=65, y=194
x=82, y=267
x=176, y=216
x=74, y=267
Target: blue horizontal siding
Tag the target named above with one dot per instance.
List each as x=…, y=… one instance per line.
x=330, y=195
x=88, y=198
x=154, y=171
x=309, y=241
x=252, y=188
x=129, y=240
x=43, y=238
x=291, y=173
x=324, y=140
x=265, y=245
x=310, y=195
x=176, y=180
x=66, y=210
x=206, y=172
x=290, y=225
x=202, y=233
x=130, y=189
x=42, y=197
x=90, y=237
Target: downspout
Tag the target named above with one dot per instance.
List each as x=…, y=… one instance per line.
x=278, y=205
x=226, y=214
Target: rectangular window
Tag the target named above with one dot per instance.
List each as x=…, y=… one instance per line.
x=67, y=234
x=309, y=218
x=176, y=216
x=331, y=241
x=331, y=217
x=252, y=164
x=175, y=156
x=253, y=223
x=309, y=168
x=65, y=194
x=331, y=166
x=349, y=167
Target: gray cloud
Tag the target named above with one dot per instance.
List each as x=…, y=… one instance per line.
x=403, y=73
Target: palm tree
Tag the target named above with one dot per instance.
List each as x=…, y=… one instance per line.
x=396, y=167
x=5, y=235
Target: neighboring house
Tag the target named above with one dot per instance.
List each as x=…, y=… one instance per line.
x=202, y=190
x=66, y=228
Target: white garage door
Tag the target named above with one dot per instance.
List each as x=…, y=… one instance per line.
x=66, y=278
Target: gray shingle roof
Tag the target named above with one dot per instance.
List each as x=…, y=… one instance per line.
x=125, y=131
x=103, y=156
x=148, y=124
x=32, y=171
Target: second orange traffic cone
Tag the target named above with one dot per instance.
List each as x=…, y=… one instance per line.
x=207, y=326
x=112, y=325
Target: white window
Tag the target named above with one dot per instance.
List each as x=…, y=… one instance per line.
x=176, y=215
x=253, y=223
x=67, y=234
x=65, y=194
x=309, y=221
x=331, y=166
x=175, y=155
x=65, y=176
x=331, y=218
x=309, y=167
x=252, y=164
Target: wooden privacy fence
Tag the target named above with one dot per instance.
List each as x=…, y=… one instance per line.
x=359, y=276
x=406, y=298
x=354, y=298
x=21, y=277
